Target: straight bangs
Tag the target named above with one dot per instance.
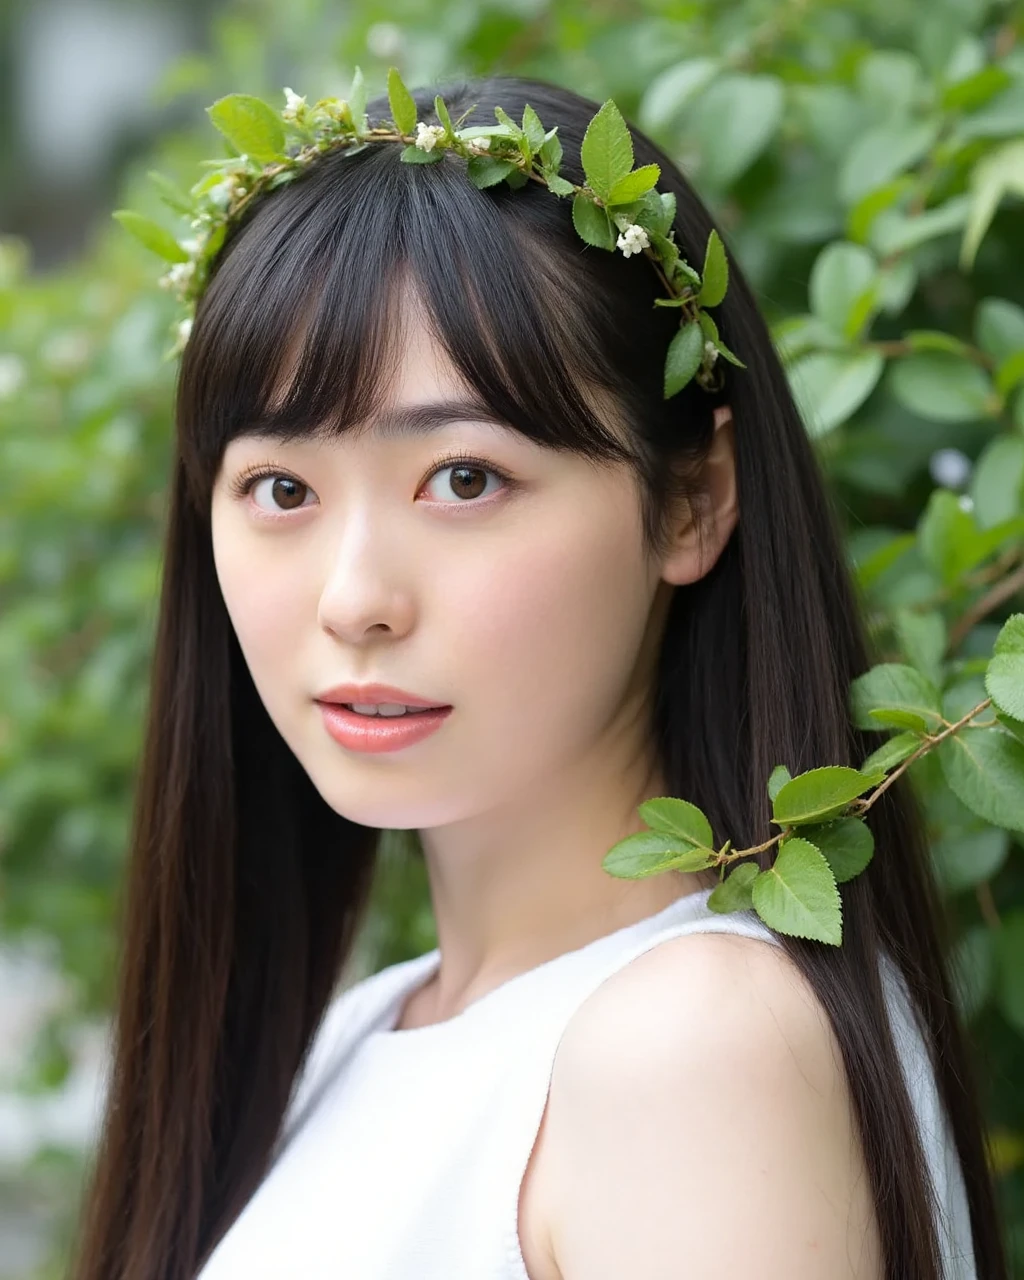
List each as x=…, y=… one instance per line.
x=299, y=330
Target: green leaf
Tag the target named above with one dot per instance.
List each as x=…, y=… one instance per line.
x=818, y=794
x=533, y=128
x=715, y=275
x=777, y=779
x=847, y=845
x=685, y=352
x=1010, y=638
x=170, y=194
x=731, y=124
x=649, y=853
x=880, y=154
x=152, y=235
x=999, y=328
x=948, y=537
x=559, y=185
x=735, y=891
x=892, y=753
x=1010, y=373
x=963, y=859
x=607, y=150
x=551, y=152
x=403, y=108
x=412, y=154
x=997, y=481
x=634, y=184
x=592, y=224
x=923, y=638
x=998, y=174
x=441, y=111
x=892, y=685
x=485, y=171
x=251, y=126
x=830, y=386
x=943, y=387
x=842, y=274
x=672, y=89
x=896, y=718
x=798, y=895
x=985, y=769
x=1004, y=683
x=677, y=818
x=357, y=101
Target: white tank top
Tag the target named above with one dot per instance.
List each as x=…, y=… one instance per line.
x=402, y=1151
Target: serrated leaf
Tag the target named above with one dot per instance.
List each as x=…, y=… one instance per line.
x=777, y=779
x=1004, y=683
x=560, y=186
x=155, y=237
x=649, y=853
x=251, y=125
x=892, y=753
x=985, y=769
x=677, y=818
x=715, y=276
x=798, y=894
x=592, y=223
x=734, y=893
x=607, y=150
x=685, y=352
x=897, y=687
x=846, y=844
x=400, y=100
x=818, y=794
x=441, y=111
x=532, y=127
x=1010, y=638
x=485, y=171
x=634, y=185
x=550, y=154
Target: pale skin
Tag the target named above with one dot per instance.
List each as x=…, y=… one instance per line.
x=698, y=1122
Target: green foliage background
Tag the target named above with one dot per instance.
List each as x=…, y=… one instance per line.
x=865, y=160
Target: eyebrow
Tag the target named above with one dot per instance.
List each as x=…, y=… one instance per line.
x=397, y=421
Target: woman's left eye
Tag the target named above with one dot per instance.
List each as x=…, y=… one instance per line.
x=466, y=481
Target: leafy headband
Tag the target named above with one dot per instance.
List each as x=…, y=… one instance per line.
x=617, y=207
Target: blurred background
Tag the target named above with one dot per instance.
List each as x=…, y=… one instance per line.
x=865, y=160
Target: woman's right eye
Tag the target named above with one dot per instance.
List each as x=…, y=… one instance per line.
x=281, y=491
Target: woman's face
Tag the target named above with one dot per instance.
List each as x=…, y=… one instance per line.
x=521, y=602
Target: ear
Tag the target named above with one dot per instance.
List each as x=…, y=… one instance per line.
x=701, y=537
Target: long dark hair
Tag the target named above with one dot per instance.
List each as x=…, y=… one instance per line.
x=245, y=890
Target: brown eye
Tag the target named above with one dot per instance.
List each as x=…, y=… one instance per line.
x=281, y=492
x=466, y=480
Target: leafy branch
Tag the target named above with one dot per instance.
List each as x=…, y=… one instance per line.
x=824, y=840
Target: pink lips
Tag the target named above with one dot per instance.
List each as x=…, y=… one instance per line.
x=372, y=694
x=373, y=734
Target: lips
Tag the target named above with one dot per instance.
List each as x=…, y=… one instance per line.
x=374, y=694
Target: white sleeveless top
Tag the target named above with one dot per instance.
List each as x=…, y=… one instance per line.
x=402, y=1151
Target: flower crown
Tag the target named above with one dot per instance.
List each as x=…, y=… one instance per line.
x=617, y=207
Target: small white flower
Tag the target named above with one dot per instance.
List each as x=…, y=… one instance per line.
x=710, y=352
x=479, y=144
x=428, y=135
x=632, y=240
x=191, y=245
x=965, y=502
x=178, y=276
x=184, y=330
x=293, y=105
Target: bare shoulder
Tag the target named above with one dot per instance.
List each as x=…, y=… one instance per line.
x=700, y=1122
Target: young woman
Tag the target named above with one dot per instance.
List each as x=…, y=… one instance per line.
x=425, y=459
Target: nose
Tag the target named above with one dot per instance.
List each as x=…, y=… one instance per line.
x=365, y=589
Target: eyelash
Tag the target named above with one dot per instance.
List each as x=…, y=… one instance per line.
x=244, y=483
